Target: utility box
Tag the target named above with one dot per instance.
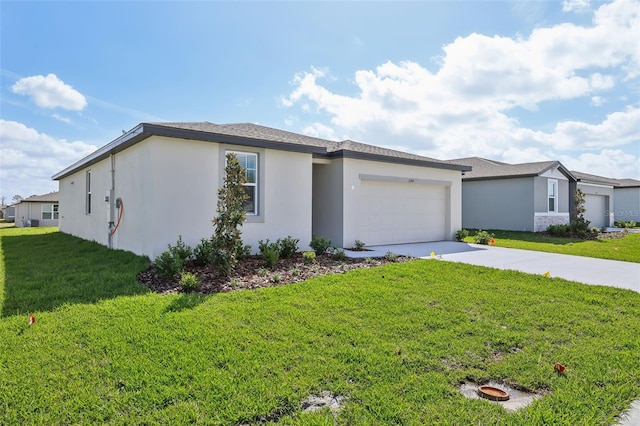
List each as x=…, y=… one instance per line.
x=33, y=223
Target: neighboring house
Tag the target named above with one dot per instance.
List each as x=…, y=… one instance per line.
x=517, y=197
x=163, y=178
x=37, y=210
x=626, y=200
x=9, y=213
x=598, y=198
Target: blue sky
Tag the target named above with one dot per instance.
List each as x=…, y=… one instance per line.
x=510, y=81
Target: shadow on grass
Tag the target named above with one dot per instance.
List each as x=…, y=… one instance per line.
x=534, y=237
x=186, y=301
x=45, y=271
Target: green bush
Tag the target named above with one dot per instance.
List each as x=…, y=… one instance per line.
x=391, y=257
x=288, y=247
x=623, y=224
x=173, y=261
x=561, y=230
x=461, y=234
x=189, y=282
x=338, y=254
x=270, y=252
x=309, y=257
x=243, y=251
x=320, y=245
x=358, y=245
x=202, y=252
x=483, y=237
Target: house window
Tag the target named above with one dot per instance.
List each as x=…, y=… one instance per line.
x=49, y=211
x=88, y=201
x=553, y=196
x=249, y=161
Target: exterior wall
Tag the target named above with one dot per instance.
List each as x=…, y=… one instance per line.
x=26, y=211
x=542, y=217
x=328, y=201
x=351, y=190
x=607, y=192
x=626, y=203
x=169, y=188
x=506, y=204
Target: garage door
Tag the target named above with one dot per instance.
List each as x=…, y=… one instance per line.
x=595, y=208
x=400, y=212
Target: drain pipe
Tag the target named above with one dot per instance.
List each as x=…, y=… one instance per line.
x=111, y=201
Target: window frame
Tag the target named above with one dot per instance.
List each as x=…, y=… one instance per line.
x=88, y=193
x=54, y=212
x=552, y=194
x=255, y=185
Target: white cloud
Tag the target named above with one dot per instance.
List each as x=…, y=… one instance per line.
x=30, y=158
x=62, y=118
x=596, y=101
x=612, y=163
x=50, y=92
x=465, y=107
x=576, y=5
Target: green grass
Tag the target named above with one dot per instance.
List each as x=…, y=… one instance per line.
x=625, y=249
x=396, y=341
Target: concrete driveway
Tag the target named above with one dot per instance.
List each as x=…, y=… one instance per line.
x=586, y=270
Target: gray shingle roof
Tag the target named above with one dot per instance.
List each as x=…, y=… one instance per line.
x=587, y=178
x=628, y=183
x=483, y=168
x=249, y=134
x=52, y=197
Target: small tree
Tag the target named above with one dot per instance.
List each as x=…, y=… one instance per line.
x=579, y=224
x=231, y=214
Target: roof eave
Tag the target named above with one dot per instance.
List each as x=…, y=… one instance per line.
x=397, y=160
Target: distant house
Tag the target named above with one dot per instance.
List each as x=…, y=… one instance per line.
x=9, y=213
x=517, y=197
x=37, y=210
x=626, y=201
x=160, y=180
x=598, y=198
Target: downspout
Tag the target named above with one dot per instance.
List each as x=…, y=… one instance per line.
x=112, y=206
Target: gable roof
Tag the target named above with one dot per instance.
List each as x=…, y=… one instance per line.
x=254, y=135
x=484, y=169
x=51, y=197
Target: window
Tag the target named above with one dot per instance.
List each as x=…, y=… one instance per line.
x=250, y=163
x=553, y=195
x=49, y=211
x=88, y=203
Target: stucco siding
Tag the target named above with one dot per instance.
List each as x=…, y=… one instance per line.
x=499, y=204
x=448, y=181
x=328, y=201
x=29, y=211
x=627, y=204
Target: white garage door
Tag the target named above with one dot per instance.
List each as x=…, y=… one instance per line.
x=398, y=212
x=595, y=208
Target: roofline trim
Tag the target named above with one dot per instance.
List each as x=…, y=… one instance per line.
x=342, y=153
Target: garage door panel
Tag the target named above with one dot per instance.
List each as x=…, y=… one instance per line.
x=395, y=212
x=595, y=209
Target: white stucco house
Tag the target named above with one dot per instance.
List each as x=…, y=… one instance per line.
x=515, y=197
x=37, y=210
x=160, y=180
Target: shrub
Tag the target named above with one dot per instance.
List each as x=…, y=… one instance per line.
x=168, y=266
x=338, y=254
x=288, y=247
x=243, y=251
x=391, y=257
x=202, y=252
x=561, y=230
x=173, y=261
x=461, y=234
x=358, y=245
x=309, y=257
x=320, y=245
x=483, y=237
x=623, y=224
x=189, y=282
x=270, y=252
x=275, y=278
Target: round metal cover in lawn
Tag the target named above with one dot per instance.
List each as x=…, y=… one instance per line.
x=493, y=393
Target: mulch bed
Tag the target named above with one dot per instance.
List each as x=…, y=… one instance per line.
x=251, y=273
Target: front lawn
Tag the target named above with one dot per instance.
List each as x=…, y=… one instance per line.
x=396, y=341
x=625, y=249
